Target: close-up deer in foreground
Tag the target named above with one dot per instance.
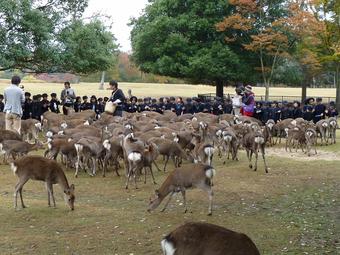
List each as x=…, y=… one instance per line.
x=207, y=239
x=41, y=169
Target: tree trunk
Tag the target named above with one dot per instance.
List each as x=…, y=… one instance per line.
x=102, y=80
x=304, y=91
x=267, y=91
x=219, y=89
x=337, y=84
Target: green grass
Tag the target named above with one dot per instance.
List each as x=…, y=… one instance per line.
x=158, y=90
x=292, y=210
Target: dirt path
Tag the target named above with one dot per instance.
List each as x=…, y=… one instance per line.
x=322, y=155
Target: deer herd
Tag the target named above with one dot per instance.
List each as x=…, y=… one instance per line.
x=138, y=140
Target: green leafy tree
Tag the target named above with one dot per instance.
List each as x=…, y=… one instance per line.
x=178, y=38
x=49, y=36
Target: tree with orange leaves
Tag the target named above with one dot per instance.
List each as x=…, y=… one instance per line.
x=270, y=29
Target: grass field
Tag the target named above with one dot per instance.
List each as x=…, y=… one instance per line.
x=295, y=209
x=158, y=90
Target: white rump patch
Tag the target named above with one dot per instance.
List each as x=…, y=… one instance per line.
x=219, y=132
x=209, y=151
x=49, y=146
x=325, y=124
x=14, y=168
x=310, y=133
x=228, y=138
x=210, y=173
x=167, y=247
x=87, y=123
x=294, y=122
x=69, y=140
x=78, y=147
x=38, y=125
x=332, y=123
x=176, y=139
x=107, y=145
x=259, y=140
x=157, y=127
x=49, y=134
x=135, y=156
x=63, y=125
x=61, y=132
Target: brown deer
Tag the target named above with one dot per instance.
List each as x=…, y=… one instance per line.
x=191, y=175
x=41, y=169
x=207, y=239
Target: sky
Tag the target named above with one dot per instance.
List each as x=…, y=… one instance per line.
x=120, y=11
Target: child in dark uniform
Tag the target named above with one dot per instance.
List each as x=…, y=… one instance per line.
x=54, y=103
x=2, y=105
x=319, y=110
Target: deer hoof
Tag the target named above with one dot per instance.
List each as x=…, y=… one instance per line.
x=210, y=214
x=250, y=166
x=186, y=210
x=255, y=169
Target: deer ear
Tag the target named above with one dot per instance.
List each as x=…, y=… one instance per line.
x=67, y=192
x=72, y=187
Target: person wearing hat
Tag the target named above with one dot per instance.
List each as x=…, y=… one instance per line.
x=45, y=104
x=54, y=103
x=248, y=102
x=117, y=97
x=27, y=107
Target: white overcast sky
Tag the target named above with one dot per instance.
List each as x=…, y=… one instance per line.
x=120, y=11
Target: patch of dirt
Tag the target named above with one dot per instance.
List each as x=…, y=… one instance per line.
x=301, y=156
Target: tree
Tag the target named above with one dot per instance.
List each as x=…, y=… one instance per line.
x=178, y=38
x=44, y=36
x=328, y=11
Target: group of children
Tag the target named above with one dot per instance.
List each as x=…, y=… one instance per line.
x=312, y=110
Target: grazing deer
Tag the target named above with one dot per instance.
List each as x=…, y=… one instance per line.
x=191, y=175
x=203, y=150
x=41, y=169
x=207, y=239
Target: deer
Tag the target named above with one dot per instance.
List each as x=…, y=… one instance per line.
x=41, y=169
x=169, y=149
x=230, y=144
x=192, y=175
x=30, y=128
x=322, y=127
x=133, y=150
x=197, y=238
x=253, y=142
x=333, y=124
x=311, y=140
x=203, y=150
x=18, y=148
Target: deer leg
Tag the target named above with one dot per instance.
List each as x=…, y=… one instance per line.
x=256, y=158
x=48, y=195
x=128, y=176
x=50, y=191
x=135, y=176
x=18, y=189
x=250, y=158
x=166, y=204
x=144, y=175
x=184, y=200
x=154, y=162
x=264, y=159
x=210, y=192
x=166, y=162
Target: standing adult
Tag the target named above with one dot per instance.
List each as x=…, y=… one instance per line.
x=67, y=97
x=248, y=102
x=237, y=100
x=14, y=98
x=117, y=97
